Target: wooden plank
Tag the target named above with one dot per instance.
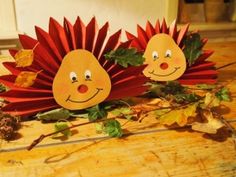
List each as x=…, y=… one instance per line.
x=171, y=153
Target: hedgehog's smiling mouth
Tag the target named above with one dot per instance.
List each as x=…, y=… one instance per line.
x=164, y=75
x=83, y=101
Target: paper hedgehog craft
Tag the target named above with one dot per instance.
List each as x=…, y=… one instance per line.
x=68, y=70
x=172, y=54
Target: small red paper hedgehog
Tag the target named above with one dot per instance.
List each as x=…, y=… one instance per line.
x=71, y=70
x=173, y=54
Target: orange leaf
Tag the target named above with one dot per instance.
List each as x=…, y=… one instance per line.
x=24, y=58
x=25, y=79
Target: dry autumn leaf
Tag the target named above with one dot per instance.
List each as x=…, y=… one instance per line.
x=179, y=116
x=211, y=126
x=24, y=57
x=25, y=79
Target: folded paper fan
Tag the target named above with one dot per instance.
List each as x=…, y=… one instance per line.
x=173, y=54
x=69, y=69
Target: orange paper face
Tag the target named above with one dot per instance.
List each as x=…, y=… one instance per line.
x=80, y=82
x=165, y=60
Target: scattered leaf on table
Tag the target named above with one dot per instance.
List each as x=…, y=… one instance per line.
x=223, y=94
x=179, y=116
x=55, y=114
x=113, y=128
x=211, y=126
x=25, y=79
x=206, y=86
x=61, y=126
x=123, y=112
x=210, y=101
x=96, y=112
x=24, y=57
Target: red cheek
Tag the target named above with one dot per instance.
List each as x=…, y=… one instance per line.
x=178, y=61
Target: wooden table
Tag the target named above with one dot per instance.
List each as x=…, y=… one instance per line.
x=149, y=150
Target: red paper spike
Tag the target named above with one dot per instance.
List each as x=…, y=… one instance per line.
x=150, y=30
x=164, y=28
x=157, y=27
x=57, y=33
x=182, y=33
x=142, y=36
x=91, y=30
x=45, y=40
x=79, y=30
x=70, y=35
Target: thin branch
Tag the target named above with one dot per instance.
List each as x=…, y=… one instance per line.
x=224, y=66
x=41, y=137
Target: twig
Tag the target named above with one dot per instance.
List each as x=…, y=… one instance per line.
x=41, y=137
x=224, y=66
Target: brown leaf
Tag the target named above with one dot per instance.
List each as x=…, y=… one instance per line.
x=211, y=126
x=25, y=79
x=24, y=57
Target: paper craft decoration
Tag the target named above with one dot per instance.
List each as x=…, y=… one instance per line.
x=157, y=49
x=70, y=70
x=84, y=81
x=165, y=62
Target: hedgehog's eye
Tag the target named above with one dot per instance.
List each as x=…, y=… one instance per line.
x=155, y=55
x=87, y=75
x=168, y=53
x=73, y=77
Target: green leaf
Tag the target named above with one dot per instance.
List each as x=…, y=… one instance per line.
x=123, y=112
x=206, y=86
x=61, y=126
x=96, y=112
x=173, y=87
x=2, y=88
x=113, y=128
x=193, y=47
x=186, y=97
x=125, y=57
x=160, y=112
x=223, y=94
x=55, y=114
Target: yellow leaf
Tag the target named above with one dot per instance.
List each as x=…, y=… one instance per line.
x=211, y=126
x=211, y=101
x=24, y=58
x=179, y=116
x=25, y=79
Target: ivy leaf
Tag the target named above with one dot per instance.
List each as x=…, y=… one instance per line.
x=24, y=57
x=179, y=116
x=58, y=126
x=206, y=86
x=186, y=97
x=193, y=47
x=173, y=87
x=211, y=126
x=113, y=128
x=25, y=79
x=125, y=57
x=223, y=94
x=123, y=112
x=96, y=112
x=55, y=114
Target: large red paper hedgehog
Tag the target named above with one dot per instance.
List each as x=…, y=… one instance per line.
x=71, y=70
x=173, y=54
